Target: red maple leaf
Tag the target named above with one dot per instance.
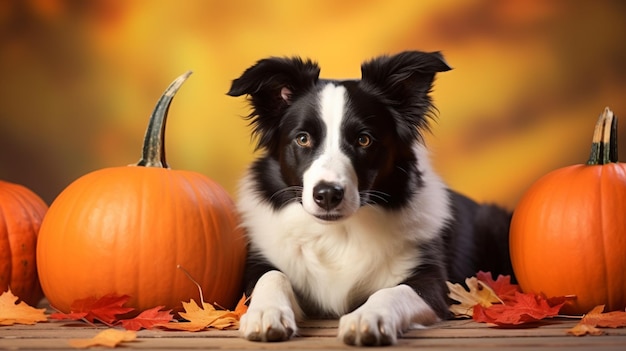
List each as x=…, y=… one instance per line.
x=104, y=309
x=526, y=308
x=501, y=286
x=147, y=319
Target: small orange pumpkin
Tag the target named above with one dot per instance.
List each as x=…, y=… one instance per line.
x=21, y=213
x=568, y=232
x=124, y=230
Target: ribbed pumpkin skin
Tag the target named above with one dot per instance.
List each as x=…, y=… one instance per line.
x=124, y=230
x=21, y=213
x=568, y=236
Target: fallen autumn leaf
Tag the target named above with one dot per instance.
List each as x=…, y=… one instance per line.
x=201, y=318
x=502, y=286
x=147, y=319
x=108, y=338
x=478, y=294
x=105, y=309
x=596, y=318
x=526, y=308
x=12, y=312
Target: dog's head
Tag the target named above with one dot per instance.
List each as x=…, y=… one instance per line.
x=338, y=145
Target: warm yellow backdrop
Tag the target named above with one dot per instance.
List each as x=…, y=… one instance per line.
x=78, y=80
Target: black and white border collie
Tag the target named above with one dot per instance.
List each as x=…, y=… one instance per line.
x=345, y=217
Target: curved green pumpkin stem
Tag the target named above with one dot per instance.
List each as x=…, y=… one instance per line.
x=153, y=154
x=604, y=147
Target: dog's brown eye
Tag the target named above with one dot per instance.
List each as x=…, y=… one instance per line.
x=364, y=140
x=304, y=140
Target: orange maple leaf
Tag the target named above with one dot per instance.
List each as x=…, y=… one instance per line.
x=108, y=338
x=596, y=318
x=479, y=293
x=147, y=319
x=241, y=307
x=200, y=318
x=104, y=309
x=231, y=320
x=13, y=313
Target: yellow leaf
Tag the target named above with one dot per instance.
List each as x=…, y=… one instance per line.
x=200, y=318
x=226, y=322
x=582, y=329
x=479, y=294
x=108, y=338
x=12, y=313
x=206, y=315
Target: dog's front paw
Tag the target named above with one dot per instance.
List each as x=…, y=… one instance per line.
x=270, y=324
x=367, y=328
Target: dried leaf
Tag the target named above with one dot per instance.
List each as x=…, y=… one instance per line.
x=231, y=320
x=595, y=318
x=582, y=329
x=206, y=314
x=501, y=286
x=615, y=319
x=147, y=319
x=226, y=322
x=108, y=338
x=200, y=318
x=478, y=294
x=526, y=308
x=13, y=313
x=104, y=309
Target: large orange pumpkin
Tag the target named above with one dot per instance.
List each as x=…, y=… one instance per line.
x=568, y=232
x=124, y=230
x=21, y=213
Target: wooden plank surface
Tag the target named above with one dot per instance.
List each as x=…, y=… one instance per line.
x=321, y=335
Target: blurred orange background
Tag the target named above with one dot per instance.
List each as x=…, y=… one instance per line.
x=79, y=79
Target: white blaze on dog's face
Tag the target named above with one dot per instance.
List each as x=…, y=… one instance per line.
x=330, y=185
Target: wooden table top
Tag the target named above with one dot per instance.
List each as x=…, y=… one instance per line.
x=321, y=335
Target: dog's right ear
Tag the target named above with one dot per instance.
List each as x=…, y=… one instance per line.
x=276, y=78
x=271, y=85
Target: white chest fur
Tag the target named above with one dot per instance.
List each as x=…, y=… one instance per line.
x=334, y=264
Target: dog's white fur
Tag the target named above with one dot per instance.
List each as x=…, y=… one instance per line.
x=338, y=263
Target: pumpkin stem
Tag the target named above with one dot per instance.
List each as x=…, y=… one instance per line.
x=153, y=154
x=604, y=146
x=194, y=281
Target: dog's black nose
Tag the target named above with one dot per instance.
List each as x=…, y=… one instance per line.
x=327, y=195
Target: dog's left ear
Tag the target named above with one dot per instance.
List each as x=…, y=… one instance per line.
x=404, y=82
